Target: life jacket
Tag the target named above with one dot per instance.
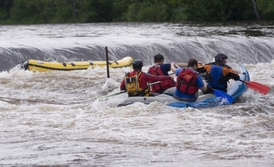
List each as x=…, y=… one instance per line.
x=133, y=88
x=216, y=79
x=186, y=81
x=162, y=86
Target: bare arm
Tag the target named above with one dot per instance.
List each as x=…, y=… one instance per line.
x=172, y=67
x=183, y=65
x=204, y=88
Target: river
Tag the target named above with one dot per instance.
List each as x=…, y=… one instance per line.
x=55, y=119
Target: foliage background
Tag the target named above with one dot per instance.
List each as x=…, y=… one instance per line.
x=86, y=11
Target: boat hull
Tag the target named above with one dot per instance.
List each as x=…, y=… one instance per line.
x=235, y=90
x=43, y=66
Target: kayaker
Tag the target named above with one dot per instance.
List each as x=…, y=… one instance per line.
x=218, y=73
x=159, y=69
x=136, y=82
x=189, y=81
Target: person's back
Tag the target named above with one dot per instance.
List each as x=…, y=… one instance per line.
x=188, y=82
x=218, y=73
x=161, y=69
x=136, y=82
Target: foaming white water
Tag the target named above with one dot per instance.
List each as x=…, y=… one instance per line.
x=176, y=41
x=261, y=72
x=56, y=118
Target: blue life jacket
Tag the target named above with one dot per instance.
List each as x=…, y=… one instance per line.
x=216, y=79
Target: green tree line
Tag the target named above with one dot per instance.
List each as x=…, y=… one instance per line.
x=86, y=11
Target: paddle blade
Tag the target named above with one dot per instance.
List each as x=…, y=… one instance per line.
x=222, y=94
x=258, y=87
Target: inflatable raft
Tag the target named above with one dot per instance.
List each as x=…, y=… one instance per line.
x=43, y=66
x=235, y=90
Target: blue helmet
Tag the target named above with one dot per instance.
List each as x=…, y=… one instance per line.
x=219, y=57
x=137, y=64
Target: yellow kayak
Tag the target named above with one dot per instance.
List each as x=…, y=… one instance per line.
x=43, y=66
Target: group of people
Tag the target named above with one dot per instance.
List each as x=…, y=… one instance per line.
x=188, y=81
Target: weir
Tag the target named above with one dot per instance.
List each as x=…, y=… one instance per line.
x=176, y=43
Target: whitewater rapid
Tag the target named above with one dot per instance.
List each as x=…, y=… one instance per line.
x=56, y=119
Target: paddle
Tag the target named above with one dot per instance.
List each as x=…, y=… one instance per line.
x=123, y=91
x=222, y=94
x=152, y=83
x=114, y=94
x=257, y=86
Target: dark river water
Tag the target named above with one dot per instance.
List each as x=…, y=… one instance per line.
x=55, y=119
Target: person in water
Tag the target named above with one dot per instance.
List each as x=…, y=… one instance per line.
x=136, y=82
x=218, y=73
x=161, y=69
x=189, y=81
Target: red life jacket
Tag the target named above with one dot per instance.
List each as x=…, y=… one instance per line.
x=186, y=81
x=133, y=87
x=162, y=86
